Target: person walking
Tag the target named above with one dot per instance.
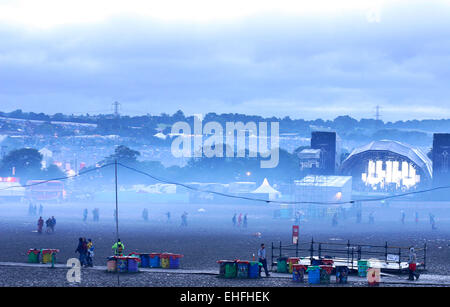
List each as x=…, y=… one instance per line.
x=52, y=223
x=82, y=250
x=334, y=222
x=85, y=214
x=263, y=260
x=48, y=224
x=118, y=248
x=245, y=220
x=90, y=253
x=40, y=224
x=168, y=216
x=234, y=220
x=412, y=265
x=184, y=219
x=417, y=218
x=145, y=214
x=371, y=218
x=403, y=217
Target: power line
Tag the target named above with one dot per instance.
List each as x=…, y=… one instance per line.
x=60, y=178
x=231, y=195
x=277, y=201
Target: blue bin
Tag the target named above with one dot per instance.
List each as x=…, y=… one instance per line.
x=155, y=260
x=174, y=262
x=145, y=260
x=341, y=274
x=253, y=269
x=133, y=264
x=122, y=264
x=313, y=275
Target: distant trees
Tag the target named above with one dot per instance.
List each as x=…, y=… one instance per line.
x=124, y=154
x=26, y=163
x=22, y=162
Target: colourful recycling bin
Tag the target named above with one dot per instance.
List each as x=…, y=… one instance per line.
x=47, y=255
x=155, y=260
x=165, y=261
x=145, y=260
x=174, y=261
x=133, y=264
x=111, y=264
x=292, y=261
x=325, y=274
x=228, y=268
x=242, y=269
x=136, y=254
x=298, y=272
x=341, y=274
x=363, y=266
x=253, y=269
x=313, y=274
x=33, y=255
x=282, y=265
x=122, y=264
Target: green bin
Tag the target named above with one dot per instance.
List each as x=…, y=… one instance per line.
x=33, y=255
x=282, y=265
x=363, y=266
x=230, y=270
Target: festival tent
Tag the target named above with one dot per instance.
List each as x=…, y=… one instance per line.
x=266, y=189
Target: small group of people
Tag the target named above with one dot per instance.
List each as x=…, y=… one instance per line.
x=50, y=224
x=237, y=221
x=95, y=214
x=33, y=209
x=86, y=252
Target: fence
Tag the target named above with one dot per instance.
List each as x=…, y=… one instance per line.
x=350, y=253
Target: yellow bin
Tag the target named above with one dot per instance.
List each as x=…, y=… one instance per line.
x=165, y=261
x=47, y=255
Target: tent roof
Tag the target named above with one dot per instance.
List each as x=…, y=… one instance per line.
x=265, y=188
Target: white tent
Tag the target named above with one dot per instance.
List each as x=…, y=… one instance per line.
x=265, y=188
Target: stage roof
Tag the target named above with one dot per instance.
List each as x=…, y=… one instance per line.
x=414, y=154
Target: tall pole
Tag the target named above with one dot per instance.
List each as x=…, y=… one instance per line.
x=117, y=202
x=117, y=218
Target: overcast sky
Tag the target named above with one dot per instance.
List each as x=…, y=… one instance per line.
x=306, y=60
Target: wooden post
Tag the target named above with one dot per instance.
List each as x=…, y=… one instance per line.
x=385, y=251
x=348, y=251
x=311, y=250
x=320, y=251
x=425, y=256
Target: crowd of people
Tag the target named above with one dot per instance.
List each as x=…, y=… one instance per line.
x=238, y=221
x=85, y=250
x=50, y=224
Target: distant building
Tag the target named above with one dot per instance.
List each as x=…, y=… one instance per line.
x=329, y=145
x=323, y=189
x=441, y=159
x=309, y=159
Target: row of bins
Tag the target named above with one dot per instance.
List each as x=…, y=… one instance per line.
x=239, y=269
x=159, y=260
x=319, y=272
x=123, y=264
x=44, y=255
